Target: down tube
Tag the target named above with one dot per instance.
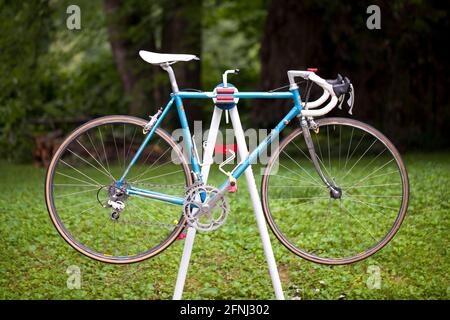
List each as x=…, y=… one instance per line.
x=263, y=145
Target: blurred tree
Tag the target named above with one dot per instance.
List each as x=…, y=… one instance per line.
x=52, y=77
x=21, y=22
x=290, y=40
x=161, y=26
x=400, y=72
x=122, y=20
x=182, y=33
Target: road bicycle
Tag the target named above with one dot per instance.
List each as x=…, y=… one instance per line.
x=120, y=189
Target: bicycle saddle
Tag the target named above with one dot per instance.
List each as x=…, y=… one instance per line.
x=160, y=58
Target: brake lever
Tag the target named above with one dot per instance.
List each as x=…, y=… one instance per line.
x=351, y=99
x=341, y=101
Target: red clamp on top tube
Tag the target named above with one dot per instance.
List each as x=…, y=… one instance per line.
x=224, y=149
x=225, y=90
x=312, y=69
x=225, y=98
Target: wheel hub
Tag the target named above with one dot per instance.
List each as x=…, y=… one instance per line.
x=335, y=192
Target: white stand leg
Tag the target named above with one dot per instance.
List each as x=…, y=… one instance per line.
x=243, y=153
x=207, y=161
x=190, y=237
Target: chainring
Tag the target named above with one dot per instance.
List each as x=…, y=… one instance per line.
x=197, y=212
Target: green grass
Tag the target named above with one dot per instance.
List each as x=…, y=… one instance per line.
x=228, y=263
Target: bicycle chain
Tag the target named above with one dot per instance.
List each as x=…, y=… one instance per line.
x=162, y=225
x=154, y=185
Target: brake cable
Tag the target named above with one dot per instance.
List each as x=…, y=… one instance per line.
x=286, y=86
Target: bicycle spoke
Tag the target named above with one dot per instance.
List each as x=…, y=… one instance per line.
x=295, y=205
x=292, y=179
x=298, y=165
x=115, y=144
x=356, y=148
x=144, y=163
x=96, y=217
x=350, y=170
x=153, y=219
x=124, y=148
x=142, y=174
x=310, y=158
x=95, y=181
x=367, y=205
x=310, y=219
x=104, y=150
x=375, y=185
x=329, y=154
x=349, y=147
x=304, y=178
x=376, y=157
x=158, y=176
x=300, y=198
x=74, y=193
x=365, y=178
x=361, y=224
x=375, y=196
x=280, y=186
x=95, y=149
x=80, y=204
x=131, y=144
x=159, y=166
x=340, y=137
x=106, y=171
x=373, y=204
x=83, y=185
x=85, y=161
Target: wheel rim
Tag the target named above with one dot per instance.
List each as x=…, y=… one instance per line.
x=83, y=172
x=374, y=198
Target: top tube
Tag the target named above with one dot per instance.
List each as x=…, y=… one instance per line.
x=243, y=95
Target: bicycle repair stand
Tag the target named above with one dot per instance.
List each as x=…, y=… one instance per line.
x=207, y=161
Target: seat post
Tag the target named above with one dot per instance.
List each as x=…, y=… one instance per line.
x=173, y=81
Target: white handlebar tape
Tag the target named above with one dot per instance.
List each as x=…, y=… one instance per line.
x=327, y=88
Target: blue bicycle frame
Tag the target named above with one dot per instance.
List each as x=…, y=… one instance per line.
x=178, y=97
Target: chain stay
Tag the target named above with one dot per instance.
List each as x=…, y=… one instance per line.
x=162, y=225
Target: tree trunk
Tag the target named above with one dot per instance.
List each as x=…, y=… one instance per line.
x=399, y=72
x=180, y=24
x=181, y=33
x=125, y=52
x=290, y=41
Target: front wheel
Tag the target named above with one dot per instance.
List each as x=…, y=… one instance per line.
x=335, y=229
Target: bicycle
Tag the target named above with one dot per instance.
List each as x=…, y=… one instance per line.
x=335, y=191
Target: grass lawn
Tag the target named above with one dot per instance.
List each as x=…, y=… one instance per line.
x=228, y=263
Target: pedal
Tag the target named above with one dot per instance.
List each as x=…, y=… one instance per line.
x=232, y=187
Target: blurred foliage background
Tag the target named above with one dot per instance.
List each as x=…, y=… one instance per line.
x=53, y=77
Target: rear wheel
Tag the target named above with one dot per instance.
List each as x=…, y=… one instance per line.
x=81, y=179
x=328, y=229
